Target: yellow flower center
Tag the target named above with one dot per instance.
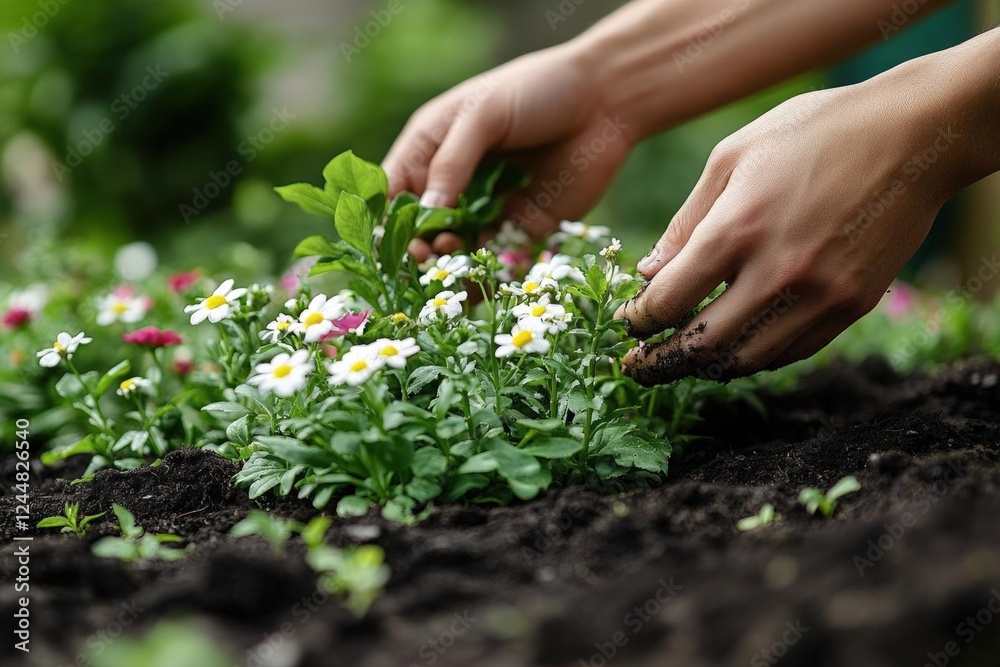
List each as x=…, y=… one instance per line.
x=530, y=287
x=359, y=366
x=58, y=347
x=283, y=326
x=441, y=274
x=389, y=351
x=119, y=308
x=127, y=385
x=282, y=371
x=314, y=319
x=215, y=301
x=538, y=310
x=522, y=338
x=438, y=303
x=400, y=318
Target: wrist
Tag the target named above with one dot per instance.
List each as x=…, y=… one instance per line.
x=945, y=109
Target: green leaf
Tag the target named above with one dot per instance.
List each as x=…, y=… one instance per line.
x=86, y=446
x=353, y=506
x=400, y=227
x=597, y=280
x=423, y=490
x=513, y=463
x=126, y=521
x=541, y=425
x=429, y=462
x=295, y=451
x=54, y=522
x=633, y=452
x=309, y=198
x=355, y=223
x=114, y=374
x=226, y=407
x=319, y=246
x=348, y=173
x=239, y=430
x=553, y=448
x=845, y=486
x=69, y=386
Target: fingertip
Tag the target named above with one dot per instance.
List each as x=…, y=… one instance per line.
x=446, y=243
x=419, y=250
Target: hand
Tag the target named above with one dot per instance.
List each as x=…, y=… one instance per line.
x=540, y=113
x=807, y=214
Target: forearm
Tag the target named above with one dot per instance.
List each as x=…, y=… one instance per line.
x=660, y=62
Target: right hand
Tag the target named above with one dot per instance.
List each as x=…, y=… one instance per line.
x=543, y=113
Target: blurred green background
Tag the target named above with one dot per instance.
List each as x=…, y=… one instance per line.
x=170, y=121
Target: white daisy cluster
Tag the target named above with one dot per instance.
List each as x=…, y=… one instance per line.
x=538, y=309
x=362, y=361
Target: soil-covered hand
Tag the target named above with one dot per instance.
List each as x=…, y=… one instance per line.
x=540, y=112
x=807, y=214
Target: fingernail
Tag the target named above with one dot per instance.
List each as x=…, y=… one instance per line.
x=649, y=260
x=434, y=199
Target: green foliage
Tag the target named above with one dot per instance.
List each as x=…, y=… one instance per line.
x=826, y=503
x=169, y=644
x=765, y=517
x=70, y=520
x=135, y=544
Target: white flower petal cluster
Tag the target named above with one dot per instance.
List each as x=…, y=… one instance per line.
x=132, y=386
x=446, y=270
x=525, y=337
x=316, y=321
x=283, y=375
x=542, y=314
x=121, y=307
x=580, y=230
x=64, y=348
x=362, y=361
x=220, y=305
x=445, y=306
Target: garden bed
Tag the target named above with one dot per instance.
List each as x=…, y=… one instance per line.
x=654, y=577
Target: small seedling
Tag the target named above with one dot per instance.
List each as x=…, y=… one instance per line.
x=826, y=503
x=357, y=573
x=274, y=529
x=765, y=517
x=69, y=521
x=168, y=644
x=136, y=544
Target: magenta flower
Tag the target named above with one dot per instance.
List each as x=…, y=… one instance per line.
x=901, y=302
x=182, y=282
x=16, y=318
x=349, y=323
x=152, y=338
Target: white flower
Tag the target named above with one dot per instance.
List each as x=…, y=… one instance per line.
x=595, y=234
x=542, y=314
x=612, y=250
x=559, y=267
x=31, y=299
x=511, y=236
x=136, y=261
x=65, y=346
x=446, y=304
x=279, y=328
x=356, y=367
x=446, y=270
x=121, y=306
x=394, y=353
x=531, y=287
x=133, y=385
x=316, y=321
x=284, y=375
x=218, y=306
x=522, y=338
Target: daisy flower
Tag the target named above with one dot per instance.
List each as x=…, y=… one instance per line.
x=612, y=250
x=316, y=321
x=64, y=347
x=280, y=327
x=152, y=338
x=122, y=305
x=558, y=267
x=355, y=367
x=399, y=319
x=446, y=270
x=218, y=306
x=522, y=338
x=394, y=353
x=284, y=375
x=133, y=385
x=580, y=230
x=542, y=314
x=446, y=304
x=531, y=287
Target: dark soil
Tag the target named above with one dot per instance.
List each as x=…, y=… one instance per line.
x=907, y=573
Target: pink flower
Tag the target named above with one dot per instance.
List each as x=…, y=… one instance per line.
x=152, y=338
x=349, y=323
x=291, y=281
x=902, y=299
x=181, y=282
x=16, y=318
